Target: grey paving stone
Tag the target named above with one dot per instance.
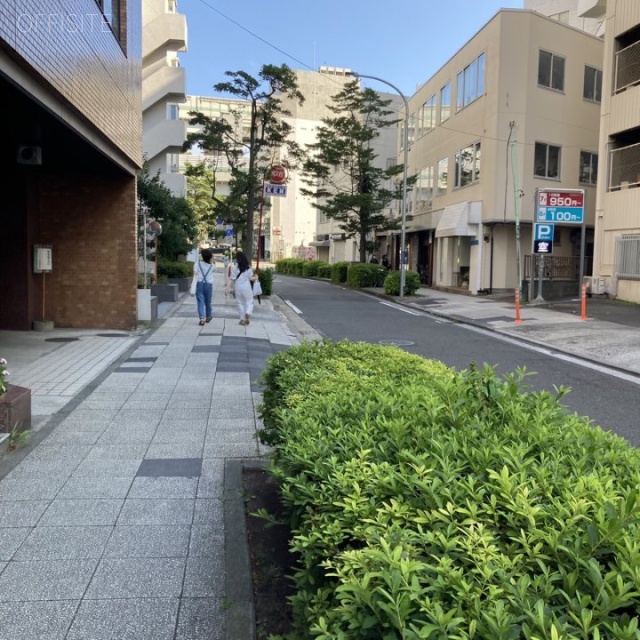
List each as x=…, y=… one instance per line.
x=54, y=452
x=200, y=619
x=129, y=451
x=97, y=467
x=36, y=620
x=179, y=467
x=164, y=487
x=210, y=487
x=23, y=513
x=228, y=436
x=87, y=488
x=132, y=619
x=130, y=433
x=137, y=578
x=74, y=437
x=30, y=488
x=156, y=512
x=209, y=511
x=232, y=424
x=191, y=434
x=10, y=539
x=148, y=542
x=228, y=410
x=206, y=540
x=231, y=450
x=204, y=577
x=81, y=512
x=186, y=413
x=45, y=580
x=64, y=543
x=161, y=450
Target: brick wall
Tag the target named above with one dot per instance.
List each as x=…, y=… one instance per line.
x=90, y=221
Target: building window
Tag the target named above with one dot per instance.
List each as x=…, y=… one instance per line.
x=443, y=176
x=470, y=83
x=592, y=84
x=588, y=167
x=547, y=161
x=467, y=169
x=550, y=70
x=424, y=190
x=427, y=116
x=172, y=6
x=626, y=72
x=624, y=167
x=173, y=163
x=628, y=257
x=445, y=102
x=173, y=112
x=111, y=12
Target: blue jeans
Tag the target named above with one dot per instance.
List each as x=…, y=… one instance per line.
x=203, y=297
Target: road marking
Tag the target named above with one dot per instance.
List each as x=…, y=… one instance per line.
x=399, y=308
x=293, y=306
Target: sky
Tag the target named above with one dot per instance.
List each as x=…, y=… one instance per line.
x=402, y=41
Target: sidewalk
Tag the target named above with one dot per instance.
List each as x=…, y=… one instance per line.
x=111, y=520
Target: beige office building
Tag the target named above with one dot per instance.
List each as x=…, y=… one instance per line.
x=514, y=111
x=164, y=35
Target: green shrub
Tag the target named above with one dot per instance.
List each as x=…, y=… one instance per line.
x=324, y=271
x=266, y=281
x=392, y=283
x=310, y=268
x=171, y=269
x=366, y=275
x=290, y=266
x=429, y=503
x=339, y=272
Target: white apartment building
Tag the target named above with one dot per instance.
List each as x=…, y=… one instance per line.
x=586, y=15
x=516, y=109
x=164, y=35
x=617, y=238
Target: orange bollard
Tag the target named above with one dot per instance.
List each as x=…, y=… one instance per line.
x=518, y=321
x=583, y=303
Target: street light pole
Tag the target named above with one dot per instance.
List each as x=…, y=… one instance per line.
x=403, y=231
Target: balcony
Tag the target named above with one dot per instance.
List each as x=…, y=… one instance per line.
x=165, y=82
x=167, y=31
x=168, y=134
x=592, y=8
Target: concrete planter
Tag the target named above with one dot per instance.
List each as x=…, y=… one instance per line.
x=183, y=283
x=43, y=325
x=165, y=292
x=147, y=306
x=15, y=409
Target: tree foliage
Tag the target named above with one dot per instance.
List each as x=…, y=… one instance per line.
x=179, y=229
x=341, y=173
x=249, y=145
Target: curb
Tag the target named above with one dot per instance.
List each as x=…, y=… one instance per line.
x=239, y=612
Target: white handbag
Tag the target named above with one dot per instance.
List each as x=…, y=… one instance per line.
x=257, y=288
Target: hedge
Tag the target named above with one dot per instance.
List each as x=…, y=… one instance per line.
x=392, y=283
x=365, y=274
x=429, y=503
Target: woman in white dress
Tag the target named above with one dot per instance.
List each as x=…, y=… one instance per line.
x=242, y=275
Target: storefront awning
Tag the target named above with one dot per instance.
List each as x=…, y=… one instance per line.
x=457, y=219
x=320, y=243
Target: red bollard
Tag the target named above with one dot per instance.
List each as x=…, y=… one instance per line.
x=518, y=321
x=583, y=303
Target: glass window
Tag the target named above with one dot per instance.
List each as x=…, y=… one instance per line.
x=443, y=176
x=588, y=167
x=424, y=189
x=467, y=166
x=173, y=112
x=445, y=102
x=470, y=83
x=550, y=70
x=546, y=160
x=592, y=84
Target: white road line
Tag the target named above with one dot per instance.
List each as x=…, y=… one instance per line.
x=293, y=306
x=399, y=308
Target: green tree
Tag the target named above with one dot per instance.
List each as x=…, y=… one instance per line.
x=201, y=195
x=250, y=143
x=178, y=219
x=340, y=172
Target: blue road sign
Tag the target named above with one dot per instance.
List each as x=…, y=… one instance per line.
x=229, y=232
x=543, y=232
x=275, y=189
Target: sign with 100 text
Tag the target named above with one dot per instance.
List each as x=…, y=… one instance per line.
x=565, y=206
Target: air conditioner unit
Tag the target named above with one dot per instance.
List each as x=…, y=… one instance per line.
x=29, y=154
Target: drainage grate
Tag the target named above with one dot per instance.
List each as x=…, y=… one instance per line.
x=397, y=341
x=62, y=339
x=170, y=467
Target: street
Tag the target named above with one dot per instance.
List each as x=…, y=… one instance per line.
x=337, y=313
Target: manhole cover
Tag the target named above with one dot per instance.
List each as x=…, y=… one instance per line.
x=61, y=339
x=112, y=335
x=397, y=342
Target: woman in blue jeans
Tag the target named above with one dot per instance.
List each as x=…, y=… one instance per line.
x=202, y=285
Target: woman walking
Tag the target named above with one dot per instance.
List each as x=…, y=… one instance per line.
x=242, y=275
x=202, y=285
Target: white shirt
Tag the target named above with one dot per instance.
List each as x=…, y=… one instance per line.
x=201, y=267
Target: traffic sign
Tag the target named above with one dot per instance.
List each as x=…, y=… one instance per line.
x=278, y=174
x=543, y=232
x=543, y=246
x=229, y=232
x=275, y=189
x=565, y=206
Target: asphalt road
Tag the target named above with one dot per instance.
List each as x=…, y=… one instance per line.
x=337, y=313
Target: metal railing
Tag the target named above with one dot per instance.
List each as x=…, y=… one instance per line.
x=555, y=267
x=627, y=67
x=624, y=167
